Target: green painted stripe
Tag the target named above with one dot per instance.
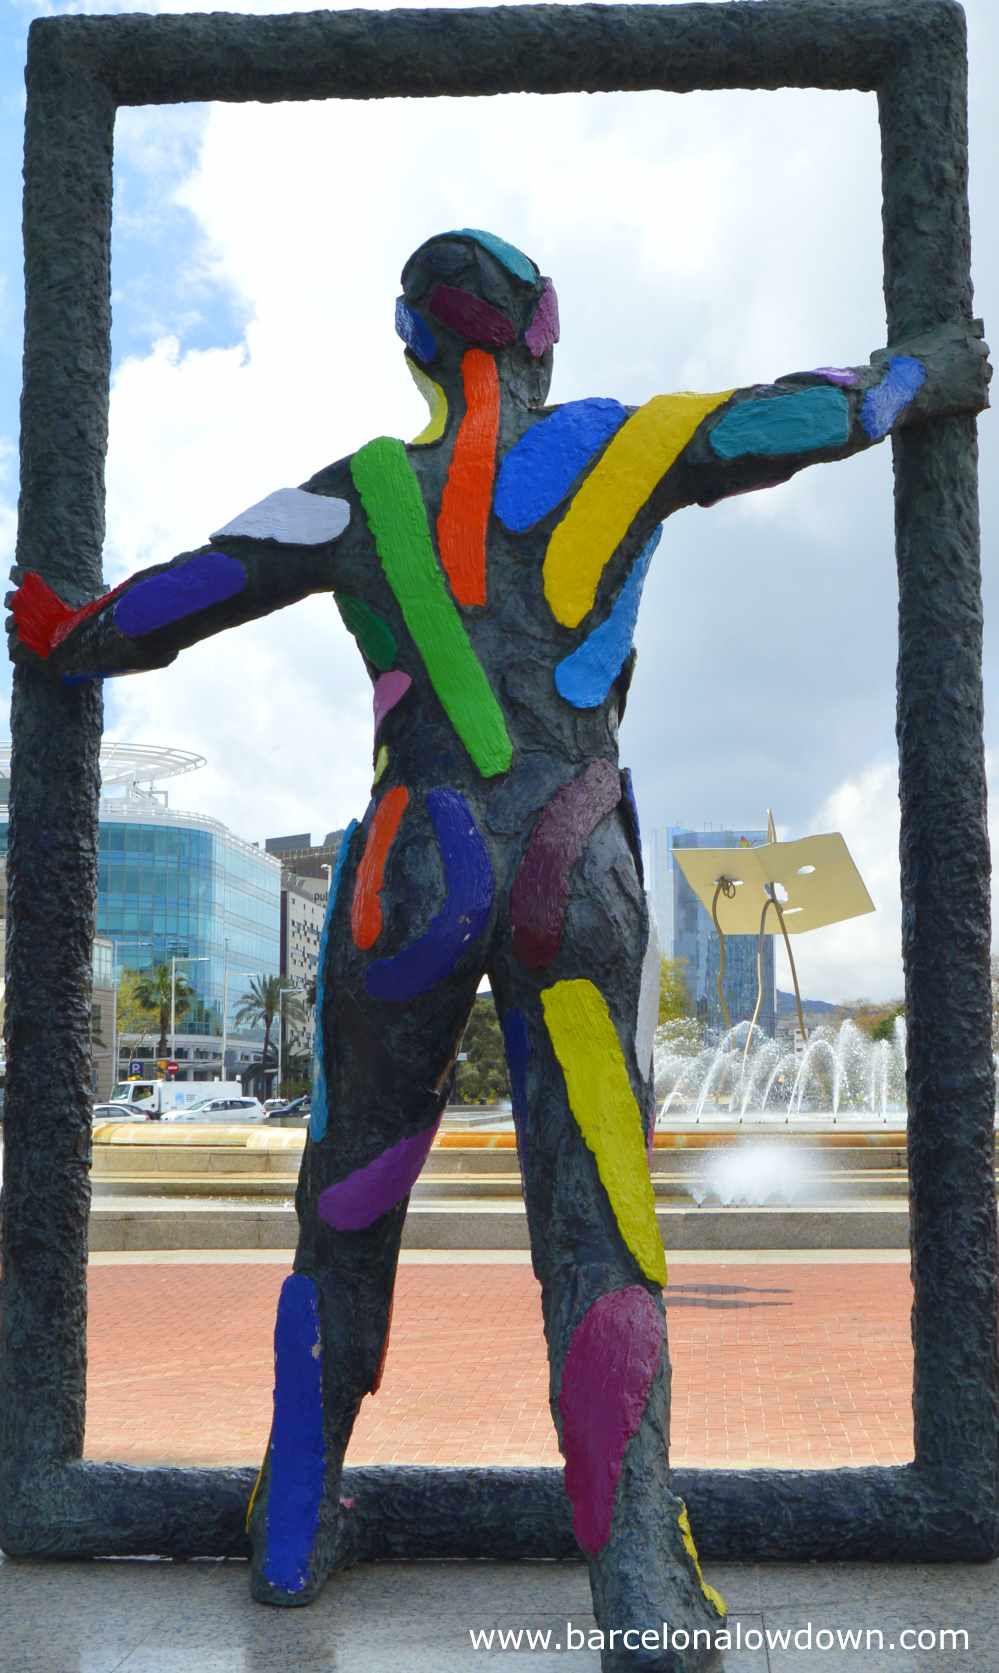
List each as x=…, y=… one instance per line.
x=393, y=505
x=375, y=637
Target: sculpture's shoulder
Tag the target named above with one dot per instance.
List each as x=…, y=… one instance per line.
x=335, y=479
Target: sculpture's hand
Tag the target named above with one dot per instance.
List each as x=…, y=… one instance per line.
x=39, y=619
x=958, y=371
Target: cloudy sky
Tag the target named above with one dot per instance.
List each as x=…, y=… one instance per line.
x=696, y=242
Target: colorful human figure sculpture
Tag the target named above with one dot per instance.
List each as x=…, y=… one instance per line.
x=491, y=574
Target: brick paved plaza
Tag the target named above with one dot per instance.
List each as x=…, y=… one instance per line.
x=782, y=1362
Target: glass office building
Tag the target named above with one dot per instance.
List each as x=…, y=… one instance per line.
x=178, y=885
x=695, y=940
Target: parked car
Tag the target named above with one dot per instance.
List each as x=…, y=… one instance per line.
x=118, y=1112
x=297, y=1106
x=219, y=1109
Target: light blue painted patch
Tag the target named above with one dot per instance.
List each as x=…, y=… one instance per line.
x=801, y=422
x=517, y=1043
x=319, y=1115
x=298, y=1449
x=514, y=260
x=885, y=403
x=469, y=882
x=414, y=331
x=585, y=676
x=180, y=591
x=539, y=471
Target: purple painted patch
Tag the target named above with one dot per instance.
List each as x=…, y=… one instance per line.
x=837, y=374
x=369, y=1192
x=180, y=591
x=544, y=327
x=470, y=317
x=608, y=1371
x=389, y=690
x=540, y=889
x=461, y=920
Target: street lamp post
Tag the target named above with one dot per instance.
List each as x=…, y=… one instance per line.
x=175, y=959
x=282, y=997
x=115, y=944
x=225, y=1003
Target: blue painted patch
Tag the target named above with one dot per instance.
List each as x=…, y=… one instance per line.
x=414, y=331
x=298, y=1449
x=468, y=876
x=183, y=590
x=539, y=471
x=798, y=423
x=514, y=260
x=882, y=405
x=319, y=1115
x=629, y=807
x=81, y=679
x=585, y=676
x=517, y=1043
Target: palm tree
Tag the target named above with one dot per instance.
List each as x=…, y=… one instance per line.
x=152, y=992
x=262, y=1003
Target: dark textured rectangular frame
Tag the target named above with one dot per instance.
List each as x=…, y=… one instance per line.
x=913, y=54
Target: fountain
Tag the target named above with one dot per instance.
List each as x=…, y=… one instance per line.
x=746, y=1079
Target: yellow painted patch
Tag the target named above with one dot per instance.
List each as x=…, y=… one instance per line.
x=253, y=1497
x=381, y=762
x=691, y=1550
x=436, y=400
x=613, y=494
x=596, y=1078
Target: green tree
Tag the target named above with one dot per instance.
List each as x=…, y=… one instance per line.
x=884, y=1029
x=134, y=1019
x=261, y=1005
x=152, y=993
x=674, y=995
x=483, y=1079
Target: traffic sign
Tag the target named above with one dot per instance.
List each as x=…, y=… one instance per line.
x=135, y=1067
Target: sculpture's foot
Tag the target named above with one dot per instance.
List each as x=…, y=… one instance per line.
x=288, y=1570
x=657, y=1613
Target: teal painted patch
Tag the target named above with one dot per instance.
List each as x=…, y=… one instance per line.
x=779, y=424
x=514, y=260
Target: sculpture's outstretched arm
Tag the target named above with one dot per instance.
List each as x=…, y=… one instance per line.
x=273, y=554
x=761, y=436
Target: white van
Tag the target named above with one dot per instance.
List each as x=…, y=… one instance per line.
x=150, y=1098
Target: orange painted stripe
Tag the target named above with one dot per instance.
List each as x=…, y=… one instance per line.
x=468, y=491
x=366, y=908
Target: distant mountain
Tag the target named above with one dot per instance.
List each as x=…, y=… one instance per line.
x=786, y=1006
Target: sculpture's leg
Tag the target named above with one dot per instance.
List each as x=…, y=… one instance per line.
x=583, y=1111
x=387, y=1072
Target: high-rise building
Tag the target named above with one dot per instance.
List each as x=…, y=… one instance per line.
x=695, y=940
x=179, y=887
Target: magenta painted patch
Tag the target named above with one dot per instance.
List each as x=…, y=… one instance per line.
x=369, y=1192
x=608, y=1371
x=470, y=317
x=544, y=327
x=389, y=690
x=540, y=891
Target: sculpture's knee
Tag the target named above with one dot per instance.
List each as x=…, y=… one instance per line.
x=607, y=1376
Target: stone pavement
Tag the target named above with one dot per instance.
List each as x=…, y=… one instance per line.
x=161, y=1617
x=776, y=1361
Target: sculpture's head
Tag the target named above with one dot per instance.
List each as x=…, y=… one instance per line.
x=470, y=289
